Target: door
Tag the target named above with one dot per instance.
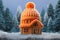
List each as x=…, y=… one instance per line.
x=35, y=31
x=35, y=28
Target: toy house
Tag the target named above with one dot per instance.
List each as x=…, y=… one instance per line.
x=30, y=22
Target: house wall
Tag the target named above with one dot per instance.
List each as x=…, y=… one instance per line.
x=31, y=30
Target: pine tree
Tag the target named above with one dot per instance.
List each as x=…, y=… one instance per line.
x=8, y=20
x=1, y=6
x=42, y=14
x=48, y=19
x=18, y=18
x=50, y=13
x=2, y=22
x=45, y=22
x=15, y=25
x=57, y=17
x=19, y=11
x=50, y=25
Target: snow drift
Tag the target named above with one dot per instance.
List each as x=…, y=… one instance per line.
x=18, y=36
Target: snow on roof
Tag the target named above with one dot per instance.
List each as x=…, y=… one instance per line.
x=19, y=36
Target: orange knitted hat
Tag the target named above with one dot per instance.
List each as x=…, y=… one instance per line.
x=29, y=14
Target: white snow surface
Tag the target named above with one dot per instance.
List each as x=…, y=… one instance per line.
x=18, y=35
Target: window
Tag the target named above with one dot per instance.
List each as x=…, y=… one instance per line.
x=25, y=30
x=35, y=24
x=27, y=21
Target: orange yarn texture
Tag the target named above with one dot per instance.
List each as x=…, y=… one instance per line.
x=30, y=15
x=30, y=5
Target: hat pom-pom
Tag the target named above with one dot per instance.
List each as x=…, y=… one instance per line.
x=30, y=5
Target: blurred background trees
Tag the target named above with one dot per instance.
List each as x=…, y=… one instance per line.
x=8, y=22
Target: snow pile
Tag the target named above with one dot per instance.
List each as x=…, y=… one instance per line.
x=18, y=36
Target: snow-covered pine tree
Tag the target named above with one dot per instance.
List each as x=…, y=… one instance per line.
x=2, y=22
x=50, y=27
x=50, y=13
x=15, y=25
x=57, y=17
x=1, y=6
x=19, y=11
x=45, y=22
x=8, y=20
x=42, y=14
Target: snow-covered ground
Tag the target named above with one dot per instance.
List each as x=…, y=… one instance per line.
x=18, y=36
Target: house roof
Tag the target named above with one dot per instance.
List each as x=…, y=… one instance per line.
x=32, y=23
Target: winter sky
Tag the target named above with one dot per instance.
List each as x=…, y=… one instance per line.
x=13, y=4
